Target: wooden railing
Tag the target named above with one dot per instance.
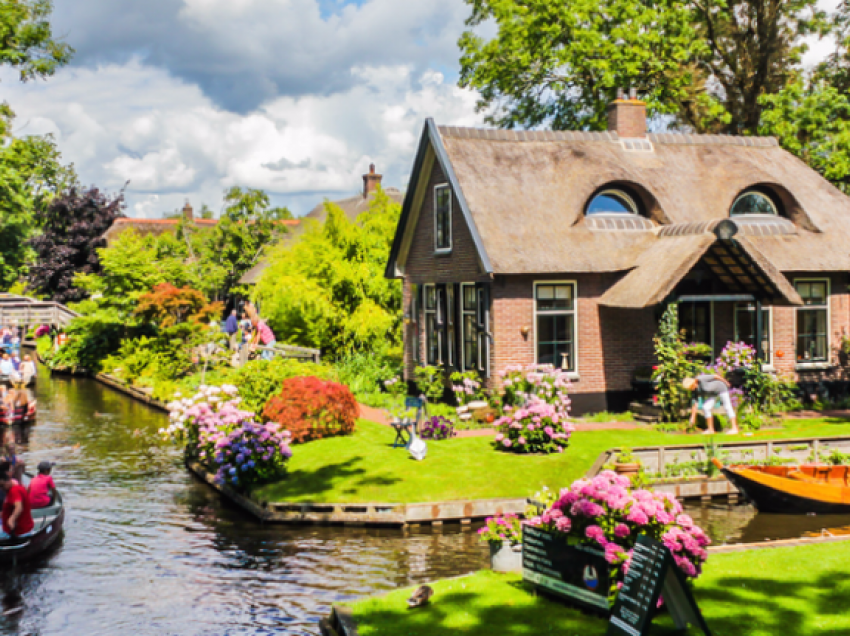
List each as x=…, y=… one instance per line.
x=283, y=351
x=27, y=312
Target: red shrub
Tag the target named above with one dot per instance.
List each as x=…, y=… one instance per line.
x=311, y=408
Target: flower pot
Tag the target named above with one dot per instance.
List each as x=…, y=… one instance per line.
x=629, y=470
x=505, y=557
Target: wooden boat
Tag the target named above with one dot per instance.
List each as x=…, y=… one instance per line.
x=9, y=381
x=793, y=489
x=19, y=415
x=47, y=529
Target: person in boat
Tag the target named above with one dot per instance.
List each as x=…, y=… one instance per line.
x=7, y=368
x=16, y=513
x=10, y=454
x=42, y=489
x=711, y=388
x=27, y=369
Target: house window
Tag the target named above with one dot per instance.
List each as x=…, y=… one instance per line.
x=813, y=321
x=753, y=202
x=450, y=324
x=432, y=332
x=695, y=319
x=470, y=327
x=555, y=324
x=612, y=202
x=745, y=328
x=443, y=218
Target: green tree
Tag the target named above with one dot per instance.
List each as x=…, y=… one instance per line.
x=26, y=39
x=327, y=290
x=706, y=62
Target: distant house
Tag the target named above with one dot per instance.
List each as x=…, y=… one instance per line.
x=524, y=247
x=154, y=226
x=352, y=206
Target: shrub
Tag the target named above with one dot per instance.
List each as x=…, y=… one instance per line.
x=542, y=382
x=364, y=372
x=466, y=387
x=538, y=427
x=260, y=379
x=673, y=366
x=431, y=382
x=605, y=514
x=735, y=355
x=310, y=408
x=168, y=305
x=437, y=428
x=216, y=432
x=502, y=528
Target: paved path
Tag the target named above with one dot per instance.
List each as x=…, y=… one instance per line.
x=380, y=416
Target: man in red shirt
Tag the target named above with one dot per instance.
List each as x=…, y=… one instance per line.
x=42, y=489
x=17, y=518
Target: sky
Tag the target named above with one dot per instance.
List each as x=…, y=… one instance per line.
x=185, y=98
x=182, y=99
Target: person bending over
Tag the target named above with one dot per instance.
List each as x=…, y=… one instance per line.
x=711, y=388
x=16, y=515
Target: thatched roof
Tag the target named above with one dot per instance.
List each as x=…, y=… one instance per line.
x=353, y=206
x=524, y=195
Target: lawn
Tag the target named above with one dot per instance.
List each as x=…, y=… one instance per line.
x=364, y=468
x=801, y=590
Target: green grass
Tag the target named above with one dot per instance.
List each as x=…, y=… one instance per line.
x=800, y=590
x=365, y=468
x=605, y=416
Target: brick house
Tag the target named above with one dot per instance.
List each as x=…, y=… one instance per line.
x=565, y=247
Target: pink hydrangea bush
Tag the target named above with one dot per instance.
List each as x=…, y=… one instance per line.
x=502, y=528
x=605, y=513
x=538, y=427
x=217, y=433
x=521, y=384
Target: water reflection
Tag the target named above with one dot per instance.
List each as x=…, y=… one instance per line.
x=149, y=550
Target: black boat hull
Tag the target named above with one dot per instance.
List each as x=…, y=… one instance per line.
x=768, y=499
x=49, y=523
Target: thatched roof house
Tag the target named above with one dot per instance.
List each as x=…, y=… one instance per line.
x=568, y=243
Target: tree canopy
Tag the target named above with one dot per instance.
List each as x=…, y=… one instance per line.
x=328, y=290
x=705, y=62
x=26, y=39
x=72, y=225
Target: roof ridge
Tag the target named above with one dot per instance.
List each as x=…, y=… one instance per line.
x=677, y=138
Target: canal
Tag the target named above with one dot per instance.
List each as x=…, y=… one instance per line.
x=150, y=550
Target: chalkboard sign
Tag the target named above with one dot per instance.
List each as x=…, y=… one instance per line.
x=575, y=573
x=653, y=572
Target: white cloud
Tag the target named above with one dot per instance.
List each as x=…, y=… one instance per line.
x=132, y=122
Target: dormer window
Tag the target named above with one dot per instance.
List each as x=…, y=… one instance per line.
x=612, y=202
x=443, y=218
x=753, y=202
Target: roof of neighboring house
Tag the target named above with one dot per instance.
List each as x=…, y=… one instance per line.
x=353, y=206
x=524, y=194
x=160, y=226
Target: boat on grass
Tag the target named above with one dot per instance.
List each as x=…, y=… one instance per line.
x=793, y=489
x=47, y=529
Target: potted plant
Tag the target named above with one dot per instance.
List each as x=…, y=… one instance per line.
x=504, y=534
x=626, y=464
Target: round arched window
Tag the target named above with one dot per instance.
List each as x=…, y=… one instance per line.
x=753, y=202
x=612, y=202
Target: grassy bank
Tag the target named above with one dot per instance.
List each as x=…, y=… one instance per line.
x=755, y=593
x=365, y=468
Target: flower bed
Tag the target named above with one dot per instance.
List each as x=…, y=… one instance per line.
x=605, y=513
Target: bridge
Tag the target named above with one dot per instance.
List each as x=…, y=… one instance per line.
x=26, y=312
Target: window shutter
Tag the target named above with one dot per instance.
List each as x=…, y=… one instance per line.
x=483, y=320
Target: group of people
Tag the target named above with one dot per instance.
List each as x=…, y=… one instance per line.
x=250, y=331
x=17, y=370
x=10, y=338
x=15, y=405
x=19, y=501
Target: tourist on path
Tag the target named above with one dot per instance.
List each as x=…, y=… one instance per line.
x=264, y=334
x=17, y=517
x=231, y=328
x=711, y=388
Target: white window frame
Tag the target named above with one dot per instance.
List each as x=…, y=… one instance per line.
x=437, y=248
x=574, y=372
x=434, y=313
x=463, y=313
x=767, y=365
x=820, y=364
x=451, y=323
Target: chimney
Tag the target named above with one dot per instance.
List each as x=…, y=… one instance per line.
x=371, y=181
x=187, y=212
x=627, y=116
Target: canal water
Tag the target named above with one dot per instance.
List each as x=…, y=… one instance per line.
x=150, y=550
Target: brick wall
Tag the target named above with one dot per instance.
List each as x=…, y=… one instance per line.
x=461, y=265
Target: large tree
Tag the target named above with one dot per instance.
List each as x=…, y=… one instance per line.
x=706, y=62
x=72, y=225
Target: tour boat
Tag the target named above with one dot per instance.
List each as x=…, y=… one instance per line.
x=793, y=489
x=48, y=527
x=18, y=416
x=9, y=381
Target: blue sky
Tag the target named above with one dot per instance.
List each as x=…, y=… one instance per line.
x=185, y=98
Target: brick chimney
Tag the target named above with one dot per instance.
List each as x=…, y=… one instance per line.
x=188, y=214
x=627, y=116
x=371, y=181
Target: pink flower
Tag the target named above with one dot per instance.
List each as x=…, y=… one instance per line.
x=563, y=524
x=499, y=437
x=621, y=531
x=594, y=532
x=637, y=516
x=521, y=441
x=506, y=443
x=685, y=521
